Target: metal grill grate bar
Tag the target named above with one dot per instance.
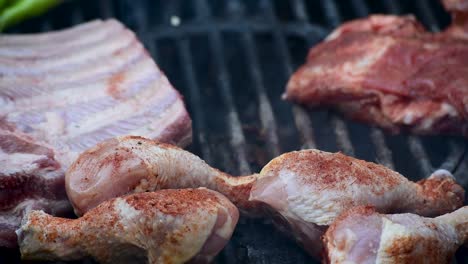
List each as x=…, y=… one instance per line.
x=463, y=167
x=107, y=8
x=341, y=132
x=331, y=13
x=427, y=15
x=419, y=153
x=135, y=17
x=299, y=9
x=304, y=126
x=342, y=135
x=360, y=7
x=301, y=119
x=237, y=138
x=454, y=157
x=267, y=117
x=200, y=28
x=77, y=16
x=383, y=152
x=392, y=6
x=195, y=100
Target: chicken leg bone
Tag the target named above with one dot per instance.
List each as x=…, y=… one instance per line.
x=361, y=235
x=168, y=226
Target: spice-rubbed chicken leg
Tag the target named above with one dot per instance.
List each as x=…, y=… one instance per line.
x=168, y=226
x=308, y=189
x=361, y=235
x=134, y=164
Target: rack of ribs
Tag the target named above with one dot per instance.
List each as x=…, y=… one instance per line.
x=61, y=93
x=389, y=71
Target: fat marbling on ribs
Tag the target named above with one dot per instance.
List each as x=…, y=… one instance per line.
x=389, y=71
x=61, y=93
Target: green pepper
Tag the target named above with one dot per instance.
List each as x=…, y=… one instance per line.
x=12, y=12
x=3, y=3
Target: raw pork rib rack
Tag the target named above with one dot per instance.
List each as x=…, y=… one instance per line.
x=231, y=59
x=63, y=92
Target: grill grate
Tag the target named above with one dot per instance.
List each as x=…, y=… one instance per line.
x=231, y=60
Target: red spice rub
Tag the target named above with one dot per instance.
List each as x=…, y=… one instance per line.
x=173, y=202
x=319, y=168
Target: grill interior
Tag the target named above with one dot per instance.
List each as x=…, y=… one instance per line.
x=231, y=60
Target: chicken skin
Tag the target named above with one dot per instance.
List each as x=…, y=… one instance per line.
x=308, y=189
x=168, y=226
x=133, y=164
x=361, y=235
x=304, y=190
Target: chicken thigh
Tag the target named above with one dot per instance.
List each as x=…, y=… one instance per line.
x=361, y=235
x=304, y=190
x=168, y=226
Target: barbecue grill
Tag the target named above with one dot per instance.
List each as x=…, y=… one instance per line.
x=231, y=60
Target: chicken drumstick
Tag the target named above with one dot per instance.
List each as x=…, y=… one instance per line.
x=306, y=189
x=361, y=235
x=168, y=226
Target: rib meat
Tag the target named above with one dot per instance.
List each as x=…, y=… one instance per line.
x=30, y=178
x=305, y=190
x=389, y=71
x=361, y=235
x=168, y=226
x=61, y=93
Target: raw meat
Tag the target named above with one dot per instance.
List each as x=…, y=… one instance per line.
x=30, y=178
x=63, y=92
x=361, y=235
x=456, y=5
x=168, y=226
x=389, y=71
x=304, y=190
x=134, y=164
x=308, y=189
x=459, y=11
